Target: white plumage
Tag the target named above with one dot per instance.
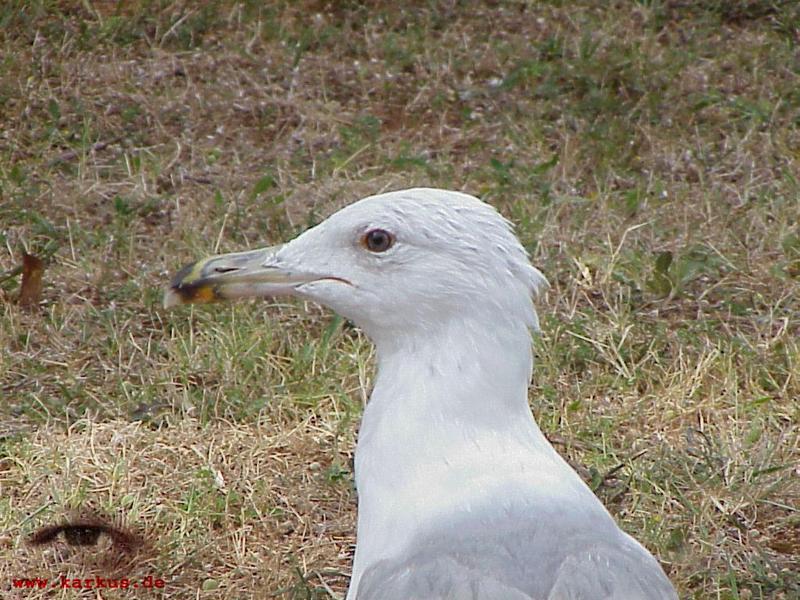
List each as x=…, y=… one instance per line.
x=460, y=495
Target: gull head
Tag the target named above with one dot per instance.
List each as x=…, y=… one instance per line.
x=395, y=264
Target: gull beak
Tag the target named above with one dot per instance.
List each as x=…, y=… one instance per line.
x=255, y=273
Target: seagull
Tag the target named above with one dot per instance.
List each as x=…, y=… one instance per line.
x=460, y=495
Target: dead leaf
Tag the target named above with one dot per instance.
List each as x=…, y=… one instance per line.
x=30, y=291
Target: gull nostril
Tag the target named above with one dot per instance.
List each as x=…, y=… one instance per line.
x=225, y=269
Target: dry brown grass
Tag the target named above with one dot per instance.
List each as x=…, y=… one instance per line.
x=618, y=136
x=224, y=508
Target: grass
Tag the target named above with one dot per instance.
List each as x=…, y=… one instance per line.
x=647, y=151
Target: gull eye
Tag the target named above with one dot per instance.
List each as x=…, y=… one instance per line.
x=378, y=240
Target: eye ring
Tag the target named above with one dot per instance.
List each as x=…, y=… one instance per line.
x=378, y=240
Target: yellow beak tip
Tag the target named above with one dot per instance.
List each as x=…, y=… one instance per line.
x=201, y=293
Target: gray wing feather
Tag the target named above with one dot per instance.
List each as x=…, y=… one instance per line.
x=440, y=578
x=609, y=574
x=510, y=558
